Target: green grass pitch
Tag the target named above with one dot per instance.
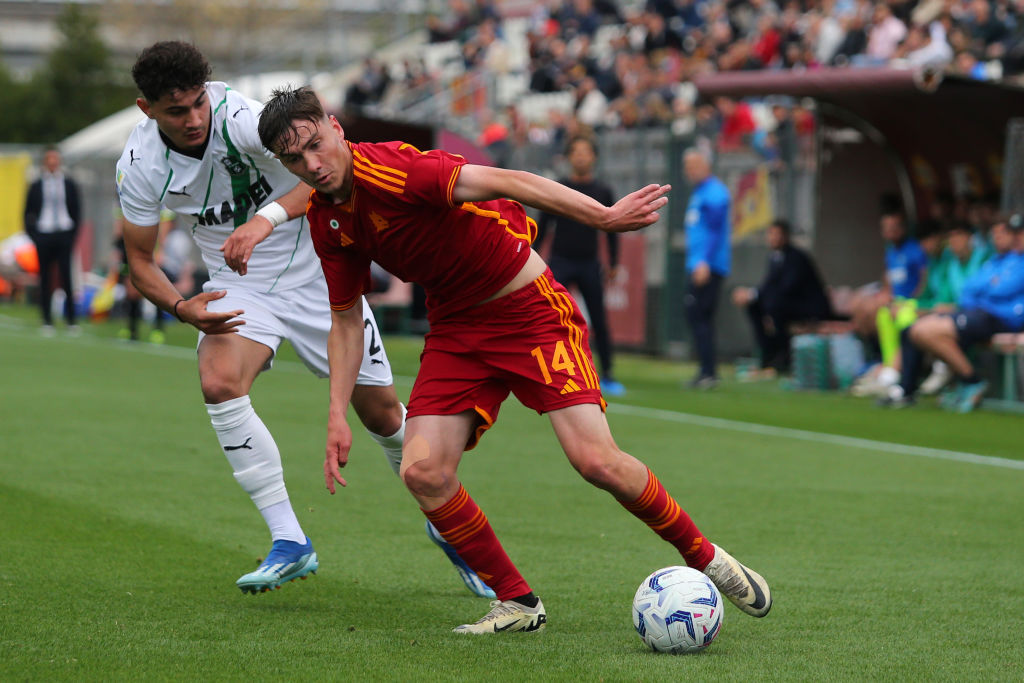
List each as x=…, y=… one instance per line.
x=891, y=555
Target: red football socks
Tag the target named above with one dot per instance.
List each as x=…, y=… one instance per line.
x=662, y=513
x=463, y=524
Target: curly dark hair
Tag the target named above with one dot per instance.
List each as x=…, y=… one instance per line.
x=169, y=66
x=287, y=105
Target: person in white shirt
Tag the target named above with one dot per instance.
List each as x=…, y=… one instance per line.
x=199, y=154
x=52, y=217
x=924, y=46
x=885, y=35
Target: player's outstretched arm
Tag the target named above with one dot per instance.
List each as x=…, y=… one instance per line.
x=139, y=245
x=634, y=211
x=344, y=356
x=238, y=248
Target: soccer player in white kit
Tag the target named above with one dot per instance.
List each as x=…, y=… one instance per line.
x=199, y=154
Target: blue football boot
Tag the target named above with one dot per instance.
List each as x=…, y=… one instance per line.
x=286, y=561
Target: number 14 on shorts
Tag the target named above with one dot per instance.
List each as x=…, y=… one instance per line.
x=560, y=361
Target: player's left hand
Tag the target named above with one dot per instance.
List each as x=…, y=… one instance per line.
x=238, y=248
x=339, y=443
x=636, y=210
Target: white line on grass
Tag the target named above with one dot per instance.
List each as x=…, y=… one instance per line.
x=12, y=324
x=814, y=437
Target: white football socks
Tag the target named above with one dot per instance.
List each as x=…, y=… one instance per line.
x=256, y=462
x=281, y=521
x=392, y=445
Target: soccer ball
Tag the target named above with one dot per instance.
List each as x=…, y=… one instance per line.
x=677, y=610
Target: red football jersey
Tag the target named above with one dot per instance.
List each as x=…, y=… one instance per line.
x=401, y=215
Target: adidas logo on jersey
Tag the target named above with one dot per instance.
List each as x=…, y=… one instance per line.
x=570, y=388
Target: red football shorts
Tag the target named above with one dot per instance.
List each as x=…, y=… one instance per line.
x=532, y=343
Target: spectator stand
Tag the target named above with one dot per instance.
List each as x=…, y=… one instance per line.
x=497, y=72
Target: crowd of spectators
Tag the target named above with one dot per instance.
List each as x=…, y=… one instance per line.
x=629, y=64
x=623, y=65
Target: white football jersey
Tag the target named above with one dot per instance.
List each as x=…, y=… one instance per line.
x=218, y=193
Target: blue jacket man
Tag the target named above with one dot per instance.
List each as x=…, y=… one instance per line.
x=707, y=227
x=998, y=289
x=906, y=267
x=708, y=258
x=991, y=302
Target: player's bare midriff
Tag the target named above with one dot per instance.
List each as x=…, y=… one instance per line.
x=531, y=270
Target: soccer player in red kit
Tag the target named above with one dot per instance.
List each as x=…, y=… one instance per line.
x=499, y=323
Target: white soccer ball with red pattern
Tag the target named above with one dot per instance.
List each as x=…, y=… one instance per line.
x=677, y=610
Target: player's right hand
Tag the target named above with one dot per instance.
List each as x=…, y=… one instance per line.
x=339, y=443
x=636, y=210
x=238, y=247
x=193, y=311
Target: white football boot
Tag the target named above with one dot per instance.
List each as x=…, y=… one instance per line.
x=508, y=616
x=745, y=588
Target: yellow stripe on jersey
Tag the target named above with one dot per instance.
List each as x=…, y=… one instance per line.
x=406, y=145
x=374, y=181
x=531, y=226
x=473, y=208
x=380, y=167
x=451, y=186
x=398, y=182
x=560, y=303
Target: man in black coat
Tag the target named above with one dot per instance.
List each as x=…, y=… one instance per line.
x=52, y=217
x=791, y=291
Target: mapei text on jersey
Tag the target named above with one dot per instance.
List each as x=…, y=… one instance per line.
x=239, y=204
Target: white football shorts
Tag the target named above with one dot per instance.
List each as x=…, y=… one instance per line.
x=302, y=316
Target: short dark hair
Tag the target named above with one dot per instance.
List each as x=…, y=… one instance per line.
x=169, y=66
x=287, y=105
x=783, y=225
x=581, y=138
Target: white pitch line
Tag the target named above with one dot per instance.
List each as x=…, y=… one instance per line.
x=815, y=437
x=634, y=411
